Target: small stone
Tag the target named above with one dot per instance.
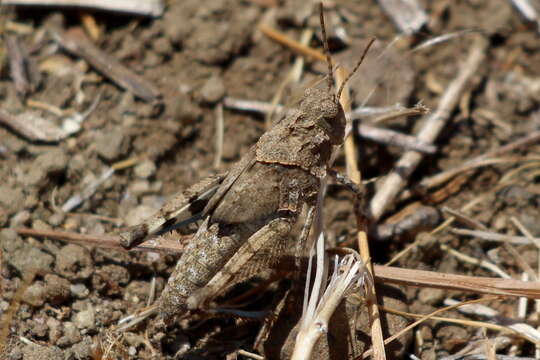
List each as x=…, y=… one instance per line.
x=85, y=319
x=132, y=351
x=56, y=219
x=145, y=169
x=139, y=187
x=213, y=90
x=162, y=45
x=20, y=219
x=50, y=162
x=431, y=296
x=35, y=294
x=57, y=289
x=112, y=144
x=74, y=262
x=80, y=291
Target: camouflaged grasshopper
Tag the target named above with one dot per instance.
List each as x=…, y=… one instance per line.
x=255, y=204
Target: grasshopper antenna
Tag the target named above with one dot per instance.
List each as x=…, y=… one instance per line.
x=355, y=68
x=326, y=49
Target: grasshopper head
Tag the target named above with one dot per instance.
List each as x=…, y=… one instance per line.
x=325, y=112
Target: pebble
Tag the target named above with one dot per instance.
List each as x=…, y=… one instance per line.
x=20, y=219
x=80, y=291
x=52, y=161
x=112, y=144
x=162, y=45
x=145, y=169
x=213, y=90
x=431, y=296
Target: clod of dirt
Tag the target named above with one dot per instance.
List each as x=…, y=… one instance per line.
x=57, y=289
x=35, y=294
x=38, y=327
x=211, y=33
x=11, y=198
x=74, y=262
x=23, y=256
x=51, y=162
x=82, y=350
x=38, y=352
x=71, y=335
x=112, y=144
x=109, y=279
x=85, y=319
x=213, y=90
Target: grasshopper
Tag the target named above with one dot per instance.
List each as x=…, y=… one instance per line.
x=255, y=204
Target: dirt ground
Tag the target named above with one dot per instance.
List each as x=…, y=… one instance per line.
x=61, y=300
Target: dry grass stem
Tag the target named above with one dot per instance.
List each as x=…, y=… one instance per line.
x=475, y=261
x=292, y=44
x=479, y=285
x=140, y=7
x=354, y=174
x=520, y=331
x=492, y=236
x=464, y=219
x=433, y=124
x=520, y=261
x=391, y=137
x=422, y=318
x=76, y=200
x=220, y=129
x=384, y=274
x=77, y=43
x=485, y=159
x=347, y=274
x=527, y=10
x=22, y=69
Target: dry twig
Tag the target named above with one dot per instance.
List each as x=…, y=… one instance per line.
x=434, y=123
x=76, y=42
x=139, y=7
